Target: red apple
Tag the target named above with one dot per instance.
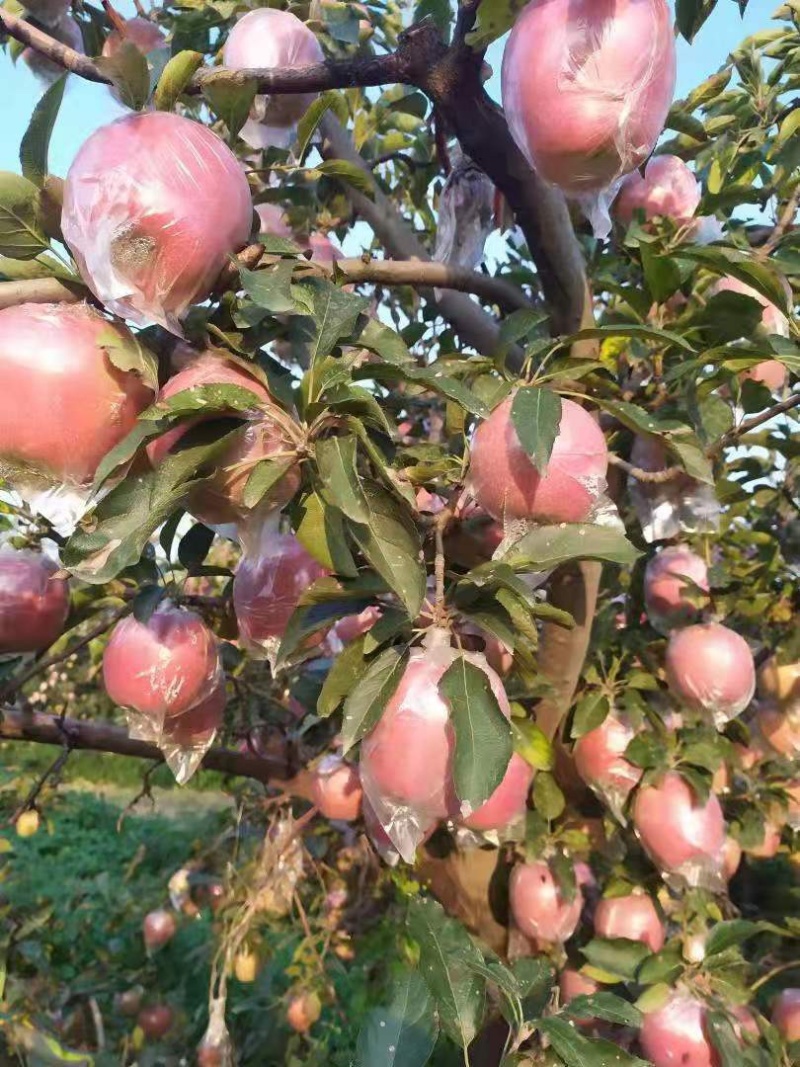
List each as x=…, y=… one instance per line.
x=220, y=500
x=154, y=204
x=129, y=1001
x=274, y=221
x=710, y=668
x=196, y=727
x=63, y=411
x=684, y=837
x=675, y=1034
x=786, y=1015
x=267, y=38
x=538, y=905
x=159, y=927
x=572, y=984
x=600, y=761
x=33, y=604
x=668, y=597
x=508, y=486
x=633, y=917
x=587, y=87
x=163, y=667
x=138, y=31
x=268, y=585
x=303, y=1011
x=780, y=728
x=156, y=1021
x=336, y=789
x=668, y=188
x=508, y=802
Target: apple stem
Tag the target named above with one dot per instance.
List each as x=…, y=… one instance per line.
x=114, y=17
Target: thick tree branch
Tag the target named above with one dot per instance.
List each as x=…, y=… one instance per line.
x=96, y=736
x=40, y=291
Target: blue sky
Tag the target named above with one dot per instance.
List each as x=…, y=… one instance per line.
x=88, y=106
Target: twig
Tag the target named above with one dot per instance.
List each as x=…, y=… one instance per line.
x=668, y=474
x=114, y=17
x=50, y=772
x=398, y=157
x=144, y=791
x=16, y=683
x=782, y=225
x=757, y=420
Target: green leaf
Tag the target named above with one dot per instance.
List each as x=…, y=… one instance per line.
x=591, y=711
x=337, y=462
x=21, y=233
x=309, y=123
x=664, y=966
x=691, y=14
x=447, y=960
x=127, y=353
x=175, y=76
x=35, y=144
x=365, y=703
x=535, y=978
x=320, y=529
x=350, y=174
x=208, y=399
x=726, y=934
x=483, y=736
x=127, y=448
x=757, y=273
x=495, y=18
x=383, y=342
x=266, y=474
x=231, y=101
x=333, y=311
x=129, y=72
x=548, y=546
x=617, y=956
x=347, y=669
x=723, y=1038
x=115, y=533
x=547, y=797
x=323, y=604
x=532, y=744
x=579, y=1051
x=271, y=287
x=194, y=546
x=536, y=415
x=634, y=330
x=390, y=542
x=607, y=1006
x=403, y=1033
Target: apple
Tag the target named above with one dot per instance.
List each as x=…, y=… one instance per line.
x=336, y=789
x=540, y=909
x=710, y=668
x=156, y=1021
x=786, y=1015
x=506, y=484
x=633, y=917
x=600, y=761
x=508, y=802
x=34, y=604
x=668, y=596
x=668, y=188
x=587, y=87
x=683, y=836
x=159, y=927
x=154, y=206
x=63, y=411
x=676, y=1034
x=303, y=1011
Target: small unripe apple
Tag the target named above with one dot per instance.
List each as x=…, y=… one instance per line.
x=508, y=802
x=587, y=87
x=336, y=789
x=159, y=928
x=676, y=1034
x=710, y=668
x=62, y=412
x=668, y=597
x=668, y=188
x=154, y=204
x=731, y=857
x=245, y=965
x=34, y=605
x=600, y=761
x=633, y=917
x=786, y=1015
x=156, y=1021
x=683, y=836
x=267, y=38
x=220, y=499
x=27, y=823
x=538, y=905
x=506, y=483
x=268, y=585
x=352, y=627
x=303, y=1011
x=164, y=666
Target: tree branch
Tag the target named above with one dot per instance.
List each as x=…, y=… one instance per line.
x=745, y=427
x=668, y=474
x=96, y=736
x=40, y=290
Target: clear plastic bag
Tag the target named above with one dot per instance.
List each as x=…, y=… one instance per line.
x=167, y=675
x=540, y=909
x=710, y=669
x=61, y=412
x=600, y=761
x=668, y=509
x=154, y=204
x=672, y=579
x=586, y=90
x=215, y=1049
x=466, y=215
x=668, y=188
x=265, y=39
x=273, y=573
x=406, y=760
